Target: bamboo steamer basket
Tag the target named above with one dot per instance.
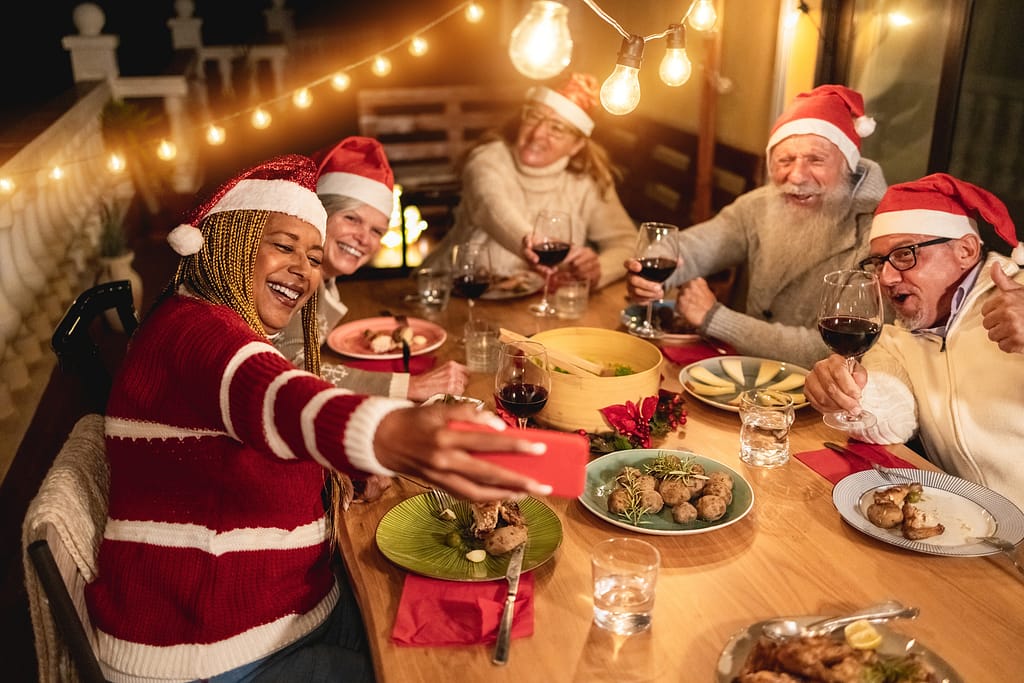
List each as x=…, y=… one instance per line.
x=575, y=401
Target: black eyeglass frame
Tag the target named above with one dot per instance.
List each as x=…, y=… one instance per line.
x=876, y=263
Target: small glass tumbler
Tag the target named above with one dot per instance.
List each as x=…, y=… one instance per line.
x=625, y=572
x=766, y=417
x=434, y=288
x=483, y=339
x=571, y=298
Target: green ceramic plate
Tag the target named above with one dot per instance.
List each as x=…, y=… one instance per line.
x=601, y=475
x=412, y=536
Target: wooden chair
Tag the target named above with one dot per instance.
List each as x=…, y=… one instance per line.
x=61, y=535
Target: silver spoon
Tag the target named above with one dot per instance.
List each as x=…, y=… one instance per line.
x=782, y=629
x=1006, y=547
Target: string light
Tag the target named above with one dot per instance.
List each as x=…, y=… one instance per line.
x=302, y=98
x=7, y=185
x=215, y=135
x=261, y=118
x=166, y=150
x=621, y=91
x=541, y=46
x=116, y=163
x=675, y=68
x=474, y=13
x=418, y=46
x=56, y=173
x=899, y=19
x=381, y=66
x=703, y=15
x=340, y=81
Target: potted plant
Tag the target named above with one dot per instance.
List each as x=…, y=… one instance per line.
x=115, y=256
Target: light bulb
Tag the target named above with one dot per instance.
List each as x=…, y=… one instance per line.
x=898, y=19
x=56, y=173
x=115, y=163
x=166, y=150
x=260, y=118
x=621, y=92
x=418, y=46
x=381, y=66
x=675, y=68
x=302, y=98
x=541, y=46
x=474, y=13
x=215, y=135
x=340, y=81
x=703, y=16
x=7, y=185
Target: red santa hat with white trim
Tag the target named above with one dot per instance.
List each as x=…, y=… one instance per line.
x=573, y=101
x=286, y=184
x=357, y=167
x=833, y=112
x=943, y=206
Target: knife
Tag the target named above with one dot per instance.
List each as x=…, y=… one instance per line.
x=887, y=472
x=399, y=336
x=515, y=567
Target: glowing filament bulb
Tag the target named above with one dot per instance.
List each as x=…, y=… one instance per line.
x=340, y=81
x=675, y=68
x=166, y=150
x=898, y=19
x=302, y=98
x=541, y=46
x=115, y=163
x=620, y=93
x=56, y=173
x=418, y=46
x=215, y=135
x=6, y=185
x=381, y=66
x=260, y=118
x=703, y=16
x=474, y=13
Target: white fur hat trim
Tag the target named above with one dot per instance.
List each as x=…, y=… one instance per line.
x=564, y=107
x=359, y=187
x=822, y=128
x=922, y=222
x=283, y=196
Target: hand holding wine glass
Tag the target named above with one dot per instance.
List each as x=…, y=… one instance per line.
x=850, y=320
x=471, y=272
x=551, y=240
x=522, y=382
x=657, y=250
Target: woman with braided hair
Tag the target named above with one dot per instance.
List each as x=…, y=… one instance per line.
x=215, y=562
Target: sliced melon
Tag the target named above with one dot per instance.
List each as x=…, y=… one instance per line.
x=788, y=383
x=734, y=368
x=709, y=390
x=767, y=371
x=702, y=374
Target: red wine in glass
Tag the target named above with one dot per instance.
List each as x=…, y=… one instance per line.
x=657, y=250
x=656, y=269
x=551, y=241
x=550, y=254
x=471, y=273
x=470, y=286
x=522, y=400
x=849, y=336
x=522, y=380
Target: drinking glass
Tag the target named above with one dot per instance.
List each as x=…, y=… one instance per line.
x=625, y=573
x=522, y=382
x=552, y=237
x=657, y=250
x=850, y=320
x=471, y=272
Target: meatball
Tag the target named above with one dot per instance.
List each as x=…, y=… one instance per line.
x=721, y=476
x=683, y=513
x=618, y=501
x=696, y=485
x=647, y=482
x=674, y=491
x=650, y=501
x=504, y=539
x=710, y=508
x=718, y=488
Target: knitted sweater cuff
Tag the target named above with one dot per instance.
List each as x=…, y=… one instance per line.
x=716, y=322
x=362, y=427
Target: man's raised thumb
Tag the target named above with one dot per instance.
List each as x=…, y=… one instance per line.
x=1003, y=281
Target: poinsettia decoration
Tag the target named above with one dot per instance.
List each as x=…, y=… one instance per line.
x=634, y=425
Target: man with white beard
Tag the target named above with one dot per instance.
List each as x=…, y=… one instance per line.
x=812, y=218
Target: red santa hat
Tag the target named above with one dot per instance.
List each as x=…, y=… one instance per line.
x=285, y=184
x=356, y=167
x=834, y=112
x=943, y=206
x=573, y=101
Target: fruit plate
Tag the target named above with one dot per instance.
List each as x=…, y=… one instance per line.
x=412, y=535
x=349, y=339
x=718, y=381
x=601, y=474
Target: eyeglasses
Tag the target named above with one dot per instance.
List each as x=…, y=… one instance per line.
x=900, y=258
x=557, y=129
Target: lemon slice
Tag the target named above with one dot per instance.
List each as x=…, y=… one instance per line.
x=788, y=383
x=708, y=390
x=704, y=375
x=861, y=635
x=734, y=368
x=767, y=371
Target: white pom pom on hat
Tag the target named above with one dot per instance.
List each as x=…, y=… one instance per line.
x=186, y=239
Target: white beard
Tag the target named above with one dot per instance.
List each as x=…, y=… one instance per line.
x=823, y=221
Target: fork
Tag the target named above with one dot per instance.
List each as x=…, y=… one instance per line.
x=442, y=501
x=1005, y=547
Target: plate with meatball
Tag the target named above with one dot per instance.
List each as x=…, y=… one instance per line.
x=359, y=338
x=665, y=492
x=953, y=512
x=671, y=329
x=419, y=537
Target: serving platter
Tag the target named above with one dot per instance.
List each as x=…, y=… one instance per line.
x=634, y=315
x=729, y=376
x=967, y=511
x=412, y=535
x=515, y=286
x=350, y=339
x=894, y=644
x=601, y=474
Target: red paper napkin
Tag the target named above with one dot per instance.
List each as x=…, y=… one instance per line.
x=691, y=353
x=438, y=612
x=417, y=364
x=834, y=467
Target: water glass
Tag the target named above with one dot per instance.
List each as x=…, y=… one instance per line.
x=571, y=299
x=625, y=572
x=764, y=435
x=482, y=338
x=434, y=288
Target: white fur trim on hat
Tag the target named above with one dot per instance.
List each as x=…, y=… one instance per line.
x=922, y=222
x=822, y=128
x=186, y=239
x=366, y=190
x=283, y=196
x=564, y=107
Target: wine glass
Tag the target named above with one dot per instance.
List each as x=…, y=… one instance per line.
x=552, y=237
x=522, y=382
x=850, y=320
x=657, y=250
x=471, y=272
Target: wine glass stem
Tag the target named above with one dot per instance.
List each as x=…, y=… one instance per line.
x=521, y=422
x=544, y=299
x=649, y=309
x=469, y=314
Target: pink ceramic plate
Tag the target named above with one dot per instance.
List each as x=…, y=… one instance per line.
x=350, y=339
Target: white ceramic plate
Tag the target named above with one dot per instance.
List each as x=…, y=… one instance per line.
x=966, y=509
x=893, y=644
x=601, y=475
x=631, y=316
x=523, y=283
x=349, y=339
x=453, y=399
x=750, y=366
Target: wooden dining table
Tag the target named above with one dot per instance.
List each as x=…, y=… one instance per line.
x=793, y=554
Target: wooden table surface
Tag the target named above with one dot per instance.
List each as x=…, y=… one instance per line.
x=792, y=555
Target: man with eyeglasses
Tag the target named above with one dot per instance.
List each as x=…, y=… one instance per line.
x=544, y=159
x=812, y=218
x=951, y=369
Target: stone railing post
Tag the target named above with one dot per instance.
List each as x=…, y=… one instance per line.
x=93, y=56
x=186, y=30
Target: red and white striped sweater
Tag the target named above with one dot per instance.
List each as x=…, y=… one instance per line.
x=215, y=552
